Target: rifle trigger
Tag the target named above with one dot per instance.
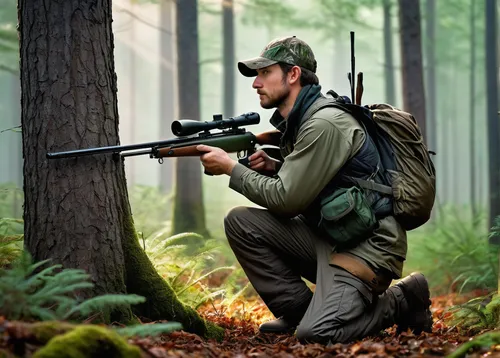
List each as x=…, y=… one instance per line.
x=160, y=160
x=245, y=161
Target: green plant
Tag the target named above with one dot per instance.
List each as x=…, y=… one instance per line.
x=11, y=240
x=29, y=292
x=495, y=230
x=477, y=314
x=183, y=261
x=454, y=253
x=11, y=200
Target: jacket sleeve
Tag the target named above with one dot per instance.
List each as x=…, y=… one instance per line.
x=320, y=150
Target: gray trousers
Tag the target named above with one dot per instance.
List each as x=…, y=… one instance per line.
x=276, y=253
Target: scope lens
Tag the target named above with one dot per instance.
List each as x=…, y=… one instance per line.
x=176, y=127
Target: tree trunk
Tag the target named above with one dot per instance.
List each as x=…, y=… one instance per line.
x=132, y=92
x=430, y=85
x=472, y=107
x=492, y=108
x=76, y=210
x=455, y=139
x=411, y=58
x=167, y=87
x=229, y=89
x=68, y=102
x=16, y=164
x=390, y=87
x=189, y=212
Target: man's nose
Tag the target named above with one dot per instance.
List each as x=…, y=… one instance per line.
x=257, y=83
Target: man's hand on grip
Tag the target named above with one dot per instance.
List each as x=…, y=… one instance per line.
x=261, y=162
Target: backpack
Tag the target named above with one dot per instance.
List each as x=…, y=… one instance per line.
x=407, y=167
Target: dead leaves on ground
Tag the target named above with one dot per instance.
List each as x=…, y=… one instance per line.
x=242, y=339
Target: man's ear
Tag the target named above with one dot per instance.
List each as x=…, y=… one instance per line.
x=294, y=75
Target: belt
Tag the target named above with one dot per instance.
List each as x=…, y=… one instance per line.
x=378, y=283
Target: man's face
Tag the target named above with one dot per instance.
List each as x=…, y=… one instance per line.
x=272, y=86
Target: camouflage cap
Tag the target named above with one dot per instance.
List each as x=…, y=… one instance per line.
x=288, y=50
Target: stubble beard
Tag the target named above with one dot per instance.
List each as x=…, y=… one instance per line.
x=278, y=100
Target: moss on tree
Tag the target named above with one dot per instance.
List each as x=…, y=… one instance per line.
x=43, y=332
x=88, y=341
x=161, y=300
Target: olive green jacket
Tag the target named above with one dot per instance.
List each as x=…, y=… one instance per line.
x=308, y=168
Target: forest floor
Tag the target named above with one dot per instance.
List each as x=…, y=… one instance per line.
x=242, y=338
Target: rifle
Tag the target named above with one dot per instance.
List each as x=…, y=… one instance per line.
x=232, y=138
x=355, y=98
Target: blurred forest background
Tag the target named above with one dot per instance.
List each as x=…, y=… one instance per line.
x=461, y=93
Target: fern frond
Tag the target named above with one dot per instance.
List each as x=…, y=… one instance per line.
x=9, y=239
x=174, y=240
x=144, y=330
x=192, y=283
x=209, y=297
x=105, y=301
x=44, y=314
x=237, y=295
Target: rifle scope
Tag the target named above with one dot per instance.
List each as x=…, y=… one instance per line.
x=185, y=127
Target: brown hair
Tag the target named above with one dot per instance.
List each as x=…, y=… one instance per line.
x=306, y=78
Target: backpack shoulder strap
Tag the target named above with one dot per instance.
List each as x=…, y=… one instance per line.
x=323, y=102
x=320, y=103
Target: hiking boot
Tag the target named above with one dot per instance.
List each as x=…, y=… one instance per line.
x=279, y=326
x=415, y=313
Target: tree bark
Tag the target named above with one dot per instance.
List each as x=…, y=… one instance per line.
x=68, y=83
x=189, y=212
x=132, y=90
x=411, y=58
x=76, y=210
x=229, y=89
x=390, y=87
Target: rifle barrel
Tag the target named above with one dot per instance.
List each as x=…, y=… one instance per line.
x=109, y=149
x=353, y=66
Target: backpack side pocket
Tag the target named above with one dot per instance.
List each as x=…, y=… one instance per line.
x=346, y=216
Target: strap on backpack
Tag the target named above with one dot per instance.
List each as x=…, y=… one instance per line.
x=366, y=184
x=323, y=102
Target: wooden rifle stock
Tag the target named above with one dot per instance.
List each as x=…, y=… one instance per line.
x=269, y=138
x=188, y=151
x=359, y=88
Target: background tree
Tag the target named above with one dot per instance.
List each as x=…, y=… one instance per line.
x=9, y=44
x=271, y=14
x=430, y=83
x=76, y=210
x=472, y=107
x=189, y=212
x=10, y=142
x=228, y=58
x=168, y=95
x=411, y=58
x=491, y=36
x=390, y=83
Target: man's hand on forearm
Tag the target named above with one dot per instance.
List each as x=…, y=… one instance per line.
x=215, y=160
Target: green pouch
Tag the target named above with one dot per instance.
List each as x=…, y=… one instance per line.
x=346, y=216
